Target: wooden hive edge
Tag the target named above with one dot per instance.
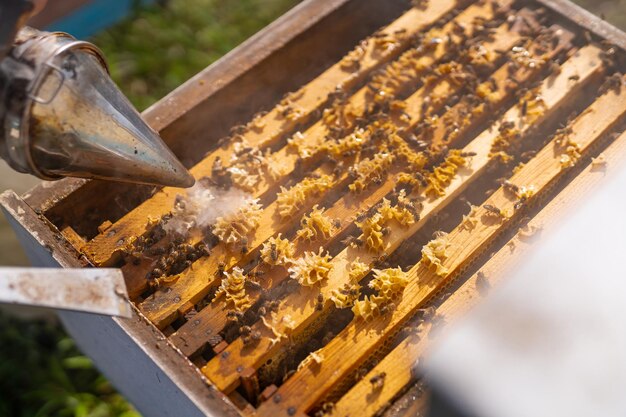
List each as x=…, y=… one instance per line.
x=586, y=20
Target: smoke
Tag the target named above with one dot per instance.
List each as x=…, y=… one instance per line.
x=202, y=205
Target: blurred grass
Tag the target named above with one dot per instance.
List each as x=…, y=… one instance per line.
x=160, y=48
x=42, y=373
x=613, y=11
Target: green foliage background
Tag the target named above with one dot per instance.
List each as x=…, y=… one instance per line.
x=613, y=11
x=43, y=374
x=160, y=48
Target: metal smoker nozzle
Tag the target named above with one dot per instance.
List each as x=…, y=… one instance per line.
x=64, y=116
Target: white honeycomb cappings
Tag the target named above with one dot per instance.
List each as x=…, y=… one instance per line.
x=311, y=268
x=236, y=227
x=233, y=289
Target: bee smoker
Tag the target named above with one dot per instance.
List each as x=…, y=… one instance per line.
x=61, y=114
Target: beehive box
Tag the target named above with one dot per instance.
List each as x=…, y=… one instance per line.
x=385, y=161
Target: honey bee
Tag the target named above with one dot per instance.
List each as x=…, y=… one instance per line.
x=509, y=186
x=482, y=283
x=352, y=240
x=257, y=273
x=220, y=269
x=382, y=261
x=156, y=251
x=599, y=162
x=387, y=308
x=361, y=216
x=237, y=130
x=493, y=210
x=529, y=232
x=319, y=306
x=235, y=316
x=203, y=249
x=155, y=273
x=520, y=203
x=161, y=264
x=180, y=203
x=421, y=178
x=268, y=306
x=253, y=284
x=338, y=168
x=384, y=310
x=378, y=380
x=607, y=55
x=273, y=252
x=360, y=373
x=428, y=313
x=186, y=248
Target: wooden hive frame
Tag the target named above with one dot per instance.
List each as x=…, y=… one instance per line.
x=183, y=345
